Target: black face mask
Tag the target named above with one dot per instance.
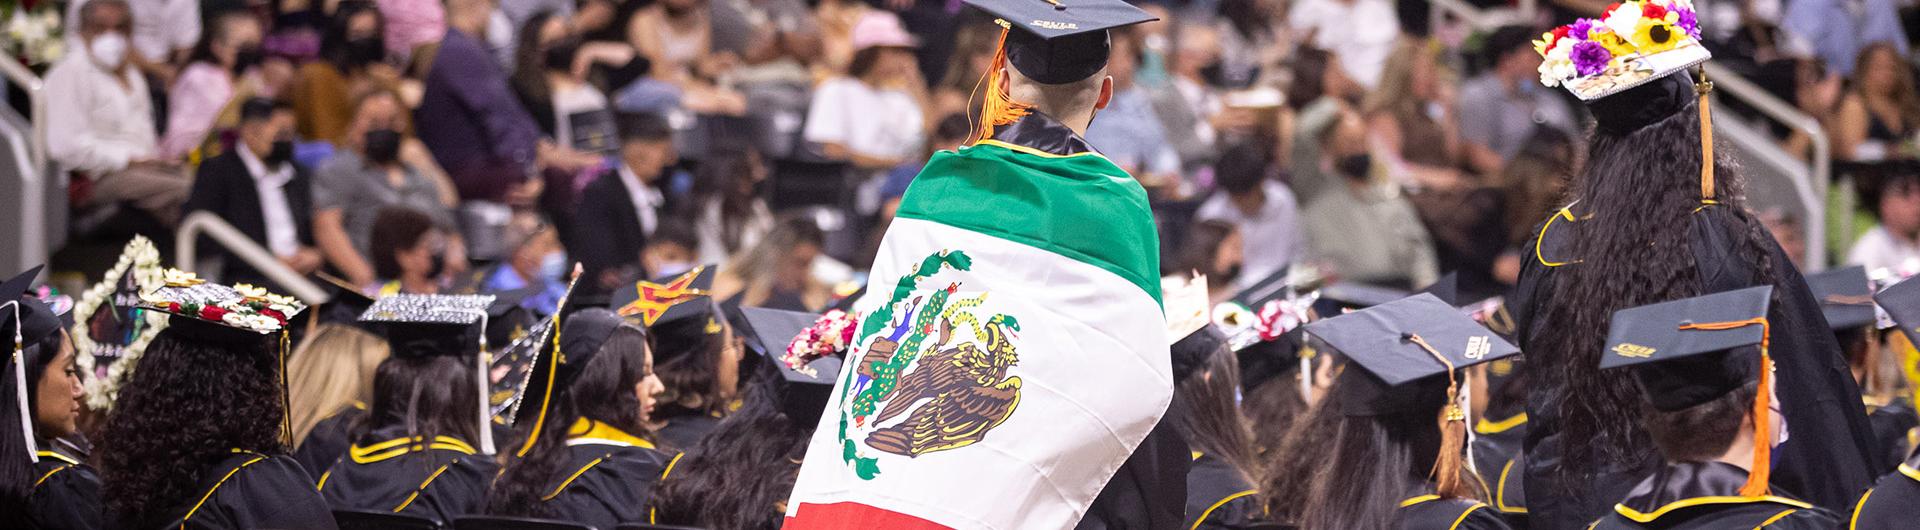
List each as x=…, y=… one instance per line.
x=247, y=58
x=439, y=265
x=560, y=54
x=280, y=153
x=1354, y=166
x=382, y=146
x=365, y=50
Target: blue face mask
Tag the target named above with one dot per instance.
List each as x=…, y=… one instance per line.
x=553, y=266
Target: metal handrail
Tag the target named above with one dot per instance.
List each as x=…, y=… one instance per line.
x=1813, y=189
x=19, y=75
x=206, y=223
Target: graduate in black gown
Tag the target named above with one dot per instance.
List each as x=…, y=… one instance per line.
x=586, y=457
x=1387, y=445
x=1206, y=376
x=1894, y=501
x=425, y=448
x=198, y=436
x=1846, y=297
x=695, y=352
x=739, y=475
x=1705, y=368
x=1647, y=224
x=333, y=367
x=42, y=477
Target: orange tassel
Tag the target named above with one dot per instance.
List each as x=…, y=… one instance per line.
x=998, y=107
x=1703, y=87
x=1762, y=467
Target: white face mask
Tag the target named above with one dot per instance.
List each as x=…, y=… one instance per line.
x=108, y=50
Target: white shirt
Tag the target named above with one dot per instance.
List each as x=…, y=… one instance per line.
x=283, y=238
x=159, y=26
x=646, y=200
x=873, y=122
x=1361, y=31
x=1270, y=237
x=95, y=124
x=1879, y=249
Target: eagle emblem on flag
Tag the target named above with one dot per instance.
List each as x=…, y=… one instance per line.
x=934, y=373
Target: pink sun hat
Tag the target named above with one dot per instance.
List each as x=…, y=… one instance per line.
x=881, y=28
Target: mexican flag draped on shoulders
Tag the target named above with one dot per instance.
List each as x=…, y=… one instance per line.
x=1011, y=352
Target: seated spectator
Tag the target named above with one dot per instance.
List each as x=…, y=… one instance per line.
x=256, y=187
x=1364, y=31
x=163, y=33
x=220, y=73
x=409, y=252
x=1894, y=242
x=1127, y=131
x=1879, y=116
x=568, y=109
x=872, y=117
x=1838, y=31
x=1212, y=248
x=1501, y=108
x=535, y=264
x=1418, y=147
x=367, y=174
x=728, y=211
x=1532, y=184
x=620, y=209
x=352, y=61
x=1321, y=91
x=471, y=122
x=671, y=249
x=1261, y=208
x=414, y=29
x=1364, y=230
x=99, y=119
x=1249, y=42
x=677, y=36
x=778, y=272
x=1194, y=114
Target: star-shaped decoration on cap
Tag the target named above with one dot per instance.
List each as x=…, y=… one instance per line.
x=655, y=299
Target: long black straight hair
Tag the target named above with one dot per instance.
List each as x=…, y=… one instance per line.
x=16, y=464
x=1204, y=410
x=1351, y=471
x=738, y=476
x=604, y=392
x=430, y=396
x=1642, y=190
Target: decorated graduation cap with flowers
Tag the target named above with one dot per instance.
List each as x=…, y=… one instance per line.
x=241, y=307
x=1633, y=43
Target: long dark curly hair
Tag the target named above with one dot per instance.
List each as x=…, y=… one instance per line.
x=188, y=406
x=739, y=475
x=1641, y=189
x=604, y=392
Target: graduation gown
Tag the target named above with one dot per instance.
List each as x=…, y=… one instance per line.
x=1892, y=425
x=1149, y=490
x=1705, y=496
x=1430, y=512
x=251, y=490
x=65, y=495
x=444, y=480
x=1828, y=455
x=1501, y=464
x=1218, y=497
x=1894, y=501
x=609, y=477
x=328, y=441
x=681, y=432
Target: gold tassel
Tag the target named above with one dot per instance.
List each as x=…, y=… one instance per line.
x=1703, y=88
x=1762, y=466
x=997, y=107
x=553, y=366
x=1448, y=466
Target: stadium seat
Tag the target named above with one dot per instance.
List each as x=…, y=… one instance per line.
x=358, y=520
x=515, y=523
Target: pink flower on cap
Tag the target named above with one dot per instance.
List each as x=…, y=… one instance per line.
x=881, y=28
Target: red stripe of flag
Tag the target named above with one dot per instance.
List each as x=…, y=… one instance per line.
x=841, y=515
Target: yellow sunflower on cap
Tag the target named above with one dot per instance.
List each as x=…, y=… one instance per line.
x=1655, y=31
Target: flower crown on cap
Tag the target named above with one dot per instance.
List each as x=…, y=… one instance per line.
x=1633, y=43
x=830, y=334
x=241, y=306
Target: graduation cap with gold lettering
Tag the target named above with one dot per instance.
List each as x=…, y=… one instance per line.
x=677, y=310
x=1688, y=352
x=241, y=315
x=1052, y=42
x=430, y=325
x=1410, y=352
x=802, y=389
x=1845, y=295
x=25, y=321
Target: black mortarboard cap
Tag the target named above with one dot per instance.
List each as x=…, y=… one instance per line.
x=1901, y=301
x=1678, y=367
x=206, y=311
x=1399, y=375
x=37, y=320
x=677, y=310
x=1271, y=287
x=1846, y=296
x=344, y=304
x=1351, y=295
x=1265, y=360
x=1191, y=352
x=802, y=394
x=426, y=325
x=1057, y=42
x=508, y=318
